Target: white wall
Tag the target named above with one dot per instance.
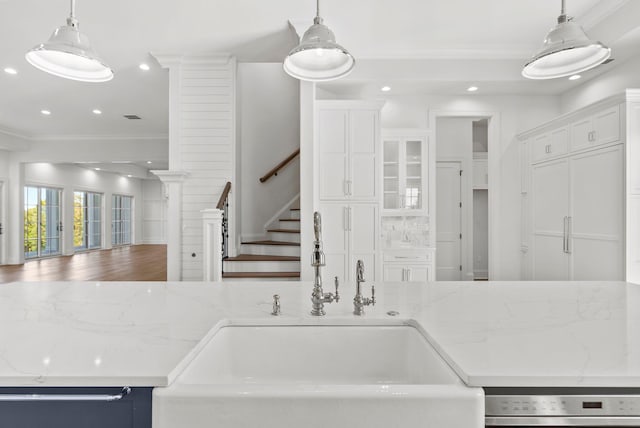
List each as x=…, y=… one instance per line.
x=516, y=113
x=4, y=179
x=154, y=213
x=70, y=179
x=624, y=76
x=268, y=125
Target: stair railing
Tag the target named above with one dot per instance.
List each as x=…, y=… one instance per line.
x=223, y=205
x=277, y=168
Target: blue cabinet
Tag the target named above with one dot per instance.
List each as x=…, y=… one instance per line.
x=74, y=407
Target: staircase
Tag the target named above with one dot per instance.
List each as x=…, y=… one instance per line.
x=277, y=258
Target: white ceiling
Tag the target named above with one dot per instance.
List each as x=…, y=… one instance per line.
x=436, y=46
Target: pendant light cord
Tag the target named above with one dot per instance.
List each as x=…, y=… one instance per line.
x=317, y=19
x=563, y=13
x=71, y=20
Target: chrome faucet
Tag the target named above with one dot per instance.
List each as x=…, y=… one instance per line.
x=360, y=302
x=319, y=297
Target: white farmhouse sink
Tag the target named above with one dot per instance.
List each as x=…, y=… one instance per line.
x=318, y=376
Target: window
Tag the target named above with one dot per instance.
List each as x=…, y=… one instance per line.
x=42, y=222
x=121, y=220
x=87, y=220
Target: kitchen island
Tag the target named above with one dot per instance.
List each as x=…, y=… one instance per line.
x=493, y=334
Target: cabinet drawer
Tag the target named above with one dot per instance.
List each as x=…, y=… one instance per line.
x=408, y=257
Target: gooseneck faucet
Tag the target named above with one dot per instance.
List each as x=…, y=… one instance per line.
x=360, y=302
x=319, y=297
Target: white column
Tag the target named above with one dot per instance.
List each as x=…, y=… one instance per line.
x=14, y=228
x=212, y=227
x=173, y=183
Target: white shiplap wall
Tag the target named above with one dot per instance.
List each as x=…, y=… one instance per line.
x=201, y=144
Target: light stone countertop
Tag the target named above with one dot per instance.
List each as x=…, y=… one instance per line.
x=491, y=333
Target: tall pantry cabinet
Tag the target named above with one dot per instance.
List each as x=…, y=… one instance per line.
x=579, y=204
x=347, y=141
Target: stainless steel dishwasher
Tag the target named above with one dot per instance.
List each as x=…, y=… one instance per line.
x=562, y=407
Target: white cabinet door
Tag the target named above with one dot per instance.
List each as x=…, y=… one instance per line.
x=581, y=133
x=596, y=226
x=335, y=239
x=540, y=147
x=363, y=126
x=418, y=273
x=606, y=126
x=363, y=230
x=550, y=200
x=333, y=149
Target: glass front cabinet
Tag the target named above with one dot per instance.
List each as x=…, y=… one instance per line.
x=408, y=176
x=405, y=160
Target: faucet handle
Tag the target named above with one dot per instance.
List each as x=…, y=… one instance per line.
x=337, y=296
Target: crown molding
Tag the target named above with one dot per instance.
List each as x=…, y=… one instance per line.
x=601, y=11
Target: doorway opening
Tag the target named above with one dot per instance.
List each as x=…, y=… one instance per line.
x=42, y=222
x=464, y=205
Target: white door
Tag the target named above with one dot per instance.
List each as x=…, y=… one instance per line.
x=550, y=200
x=448, y=222
x=596, y=225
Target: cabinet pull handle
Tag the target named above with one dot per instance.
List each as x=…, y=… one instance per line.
x=404, y=274
x=349, y=187
x=345, y=187
x=66, y=397
x=569, y=231
x=564, y=234
x=350, y=219
x=344, y=218
x=408, y=274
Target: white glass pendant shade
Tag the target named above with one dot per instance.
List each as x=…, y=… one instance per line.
x=318, y=57
x=567, y=50
x=69, y=54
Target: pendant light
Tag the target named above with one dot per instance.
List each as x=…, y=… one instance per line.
x=566, y=51
x=318, y=57
x=69, y=54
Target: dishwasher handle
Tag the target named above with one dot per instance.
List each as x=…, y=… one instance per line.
x=66, y=397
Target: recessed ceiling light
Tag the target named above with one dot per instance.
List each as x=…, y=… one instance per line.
x=96, y=111
x=149, y=162
x=144, y=67
x=10, y=70
x=575, y=77
x=472, y=88
x=97, y=169
x=129, y=175
x=45, y=112
x=385, y=88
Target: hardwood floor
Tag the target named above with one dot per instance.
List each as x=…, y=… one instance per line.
x=134, y=263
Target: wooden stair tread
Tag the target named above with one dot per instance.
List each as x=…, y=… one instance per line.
x=290, y=219
x=295, y=244
x=283, y=230
x=294, y=209
x=261, y=258
x=261, y=275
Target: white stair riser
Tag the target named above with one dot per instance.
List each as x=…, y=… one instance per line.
x=283, y=236
x=294, y=214
x=258, y=279
x=291, y=225
x=271, y=250
x=261, y=266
